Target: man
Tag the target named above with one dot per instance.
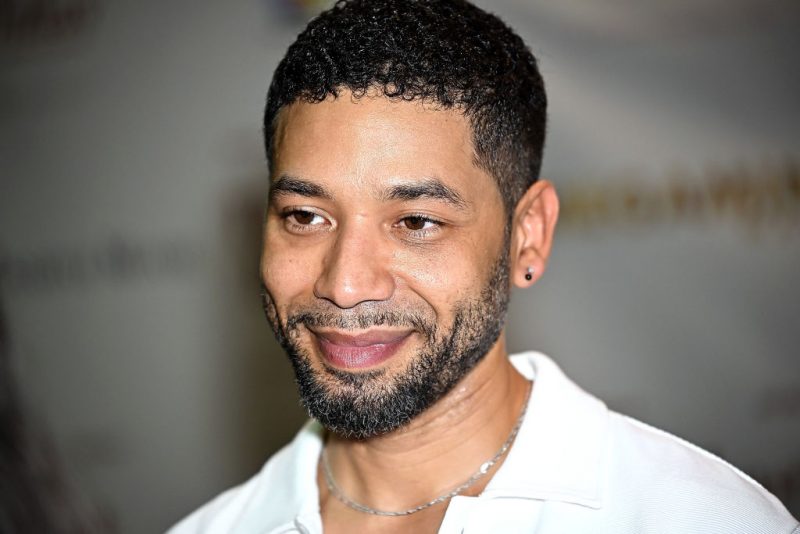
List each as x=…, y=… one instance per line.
x=404, y=139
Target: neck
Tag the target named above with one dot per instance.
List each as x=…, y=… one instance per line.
x=439, y=449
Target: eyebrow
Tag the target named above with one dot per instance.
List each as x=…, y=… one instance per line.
x=427, y=188
x=290, y=185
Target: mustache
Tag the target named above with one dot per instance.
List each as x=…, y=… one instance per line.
x=361, y=317
x=361, y=320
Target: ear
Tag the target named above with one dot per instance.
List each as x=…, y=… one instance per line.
x=532, y=230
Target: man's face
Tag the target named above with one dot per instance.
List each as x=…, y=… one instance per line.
x=384, y=266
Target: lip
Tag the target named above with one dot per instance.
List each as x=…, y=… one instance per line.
x=359, y=351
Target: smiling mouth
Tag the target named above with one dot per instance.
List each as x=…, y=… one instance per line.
x=359, y=351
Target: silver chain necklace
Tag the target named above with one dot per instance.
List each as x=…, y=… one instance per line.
x=480, y=473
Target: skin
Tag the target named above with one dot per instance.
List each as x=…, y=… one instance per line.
x=346, y=241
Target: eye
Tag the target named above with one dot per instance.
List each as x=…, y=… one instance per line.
x=417, y=223
x=419, y=226
x=306, y=217
x=302, y=220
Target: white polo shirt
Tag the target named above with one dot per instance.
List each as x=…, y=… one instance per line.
x=575, y=467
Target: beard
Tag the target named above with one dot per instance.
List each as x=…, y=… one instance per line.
x=360, y=405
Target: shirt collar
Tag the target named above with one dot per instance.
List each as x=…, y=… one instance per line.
x=558, y=453
x=294, y=471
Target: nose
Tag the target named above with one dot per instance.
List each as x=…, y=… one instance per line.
x=355, y=270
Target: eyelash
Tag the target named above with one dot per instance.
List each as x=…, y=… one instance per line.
x=422, y=232
x=291, y=213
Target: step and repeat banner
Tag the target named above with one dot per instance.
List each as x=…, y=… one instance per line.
x=132, y=185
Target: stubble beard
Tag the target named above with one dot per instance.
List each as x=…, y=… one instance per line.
x=364, y=404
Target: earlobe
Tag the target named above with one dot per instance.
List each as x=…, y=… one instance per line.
x=534, y=224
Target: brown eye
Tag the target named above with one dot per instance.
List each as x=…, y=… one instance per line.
x=303, y=217
x=420, y=224
x=415, y=223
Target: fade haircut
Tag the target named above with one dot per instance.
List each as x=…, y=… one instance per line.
x=447, y=52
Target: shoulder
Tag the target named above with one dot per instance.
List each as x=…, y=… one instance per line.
x=223, y=512
x=215, y=515
x=283, y=490
x=678, y=484
x=620, y=475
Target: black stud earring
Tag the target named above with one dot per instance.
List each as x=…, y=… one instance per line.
x=529, y=274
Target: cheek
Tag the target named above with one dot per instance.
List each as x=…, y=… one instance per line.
x=442, y=278
x=286, y=273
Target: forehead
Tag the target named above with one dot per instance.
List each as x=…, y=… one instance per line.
x=372, y=140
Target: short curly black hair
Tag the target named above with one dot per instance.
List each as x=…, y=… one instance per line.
x=449, y=52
